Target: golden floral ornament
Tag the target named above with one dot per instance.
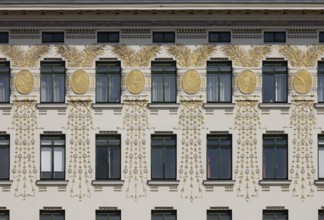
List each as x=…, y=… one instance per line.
x=191, y=82
x=79, y=82
x=135, y=81
x=247, y=82
x=302, y=82
x=24, y=82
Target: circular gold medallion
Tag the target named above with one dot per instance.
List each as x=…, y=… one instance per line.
x=191, y=82
x=79, y=82
x=302, y=82
x=135, y=81
x=247, y=82
x=24, y=82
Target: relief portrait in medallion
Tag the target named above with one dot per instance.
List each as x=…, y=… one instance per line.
x=247, y=82
x=191, y=82
x=24, y=82
x=302, y=82
x=135, y=81
x=79, y=82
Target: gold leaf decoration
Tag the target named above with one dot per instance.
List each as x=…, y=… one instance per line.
x=187, y=58
x=22, y=58
x=250, y=58
x=76, y=58
x=300, y=58
x=131, y=58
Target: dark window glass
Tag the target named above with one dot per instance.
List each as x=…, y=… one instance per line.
x=321, y=157
x=164, y=215
x=164, y=86
x=321, y=215
x=219, y=157
x=108, y=215
x=52, y=157
x=108, y=80
x=321, y=37
x=52, y=82
x=163, y=157
x=320, y=81
x=4, y=82
x=219, y=215
x=219, y=82
x=274, y=82
x=275, y=215
x=4, y=215
x=108, y=157
x=275, y=37
x=275, y=157
x=52, y=215
x=220, y=37
x=108, y=37
x=163, y=37
x=53, y=37
x=4, y=37
x=4, y=157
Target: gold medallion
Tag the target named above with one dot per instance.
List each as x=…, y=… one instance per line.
x=247, y=82
x=79, y=82
x=302, y=82
x=24, y=82
x=135, y=81
x=191, y=82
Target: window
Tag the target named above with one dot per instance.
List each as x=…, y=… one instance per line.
x=108, y=215
x=4, y=157
x=219, y=82
x=220, y=37
x=219, y=157
x=164, y=86
x=275, y=157
x=108, y=75
x=219, y=215
x=321, y=157
x=275, y=37
x=4, y=82
x=52, y=215
x=52, y=82
x=274, y=82
x=108, y=157
x=4, y=37
x=53, y=37
x=163, y=37
x=321, y=37
x=4, y=215
x=108, y=37
x=321, y=215
x=163, y=157
x=320, y=81
x=52, y=157
x=164, y=215
x=275, y=215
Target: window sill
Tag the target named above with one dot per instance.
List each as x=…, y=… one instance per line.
x=51, y=105
x=163, y=182
x=163, y=105
x=219, y=105
x=218, y=182
x=275, y=105
x=274, y=182
x=107, y=106
x=52, y=182
x=5, y=106
x=107, y=182
x=319, y=182
x=5, y=182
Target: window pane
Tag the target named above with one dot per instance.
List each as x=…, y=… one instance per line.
x=268, y=163
x=101, y=217
x=170, y=87
x=268, y=88
x=46, y=88
x=170, y=163
x=225, y=163
x=46, y=155
x=170, y=217
x=212, y=217
x=101, y=87
x=225, y=87
x=115, y=162
x=157, y=163
x=268, y=37
x=4, y=162
x=114, y=86
x=115, y=217
x=58, y=159
x=321, y=215
x=102, y=163
x=212, y=163
x=281, y=90
x=45, y=217
x=281, y=162
x=321, y=162
x=225, y=217
x=212, y=88
x=157, y=217
x=157, y=87
x=59, y=217
x=320, y=87
x=4, y=87
x=59, y=88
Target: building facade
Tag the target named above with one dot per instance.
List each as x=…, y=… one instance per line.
x=162, y=110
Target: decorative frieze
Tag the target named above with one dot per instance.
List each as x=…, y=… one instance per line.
x=80, y=34
x=25, y=34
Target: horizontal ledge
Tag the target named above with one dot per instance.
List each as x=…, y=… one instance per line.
x=319, y=182
x=275, y=105
x=274, y=182
x=6, y=106
x=218, y=182
x=107, y=182
x=52, y=182
x=220, y=105
x=107, y=106
x=6, y=182
x=163, y=183
x=319, y=105
x=164, y=106
x=51, y=105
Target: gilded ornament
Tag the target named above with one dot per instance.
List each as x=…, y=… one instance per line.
x=79, y=82
x=135, y=81
x=302, y=82
x=247, y=82
x=191, y=82
x=24, y=82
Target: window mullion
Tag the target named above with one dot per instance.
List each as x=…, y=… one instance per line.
x=218, y=162
x=53, y=79
x=163, y=85
x=52, y=157
x=108, y=87
x=275, y=157
x=108, y=152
